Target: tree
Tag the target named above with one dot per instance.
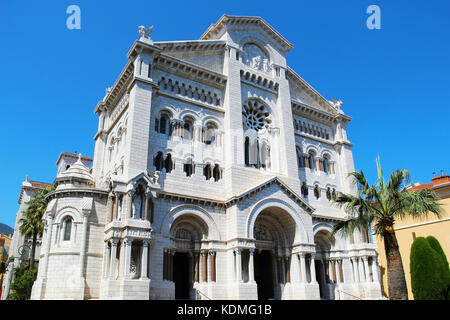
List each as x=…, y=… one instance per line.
x=379, y=205
x=444, y=268
x=426, y=271
x=31, y=224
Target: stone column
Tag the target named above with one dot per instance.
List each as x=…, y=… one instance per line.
x=48, y=242
x=295, y=267
x=196, y=267
x=283, y=270
x=333, y=270
x=366, y=268
x=171, y=254
x=359, y=266
x=288, y=268
x=375, y=270
x=203, y=266
x=251, y=266
x=112, y=263
x=313, y=270
x=341, y=275
x=238, y=252
x=302, y=268
x=126, y=270
x=144, y=260
x=107, y=259
x=212, y=265
x=83, y=245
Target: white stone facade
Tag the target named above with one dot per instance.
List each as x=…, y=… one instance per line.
x=213, y=173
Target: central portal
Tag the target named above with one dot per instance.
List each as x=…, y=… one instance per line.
x=181, y=275
x=264, y=275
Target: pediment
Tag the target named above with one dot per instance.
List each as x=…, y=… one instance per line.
x=251, y=192
x=215, y=31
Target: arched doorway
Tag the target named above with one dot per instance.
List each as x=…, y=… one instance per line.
x=274, y=232
x=264, y=275
x=187, y=231
x=325, y=276
x=181, y=277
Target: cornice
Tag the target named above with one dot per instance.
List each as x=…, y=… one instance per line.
x=237, y=198
x=191, y=46
x=76, y=191
x=117, y=90
x=191, y=101
x=190, y=71
x=309, y=90
x=301, y=108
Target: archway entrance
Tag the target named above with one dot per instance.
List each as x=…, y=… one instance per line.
x=181, y=275
x=274, y=232
x=264, y=275
x=325, y=276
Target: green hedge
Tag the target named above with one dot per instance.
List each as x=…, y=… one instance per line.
x=429, y=271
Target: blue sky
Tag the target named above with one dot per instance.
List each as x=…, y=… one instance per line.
x=394, y=82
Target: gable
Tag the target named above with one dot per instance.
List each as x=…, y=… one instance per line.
x=215, y=31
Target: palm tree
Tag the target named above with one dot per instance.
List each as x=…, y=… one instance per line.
x=31, y=224
x=379, y=206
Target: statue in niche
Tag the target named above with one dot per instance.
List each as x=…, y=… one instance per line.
x=137, y=203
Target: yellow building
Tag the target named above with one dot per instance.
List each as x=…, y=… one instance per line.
x=5, y=244
x=408, y=229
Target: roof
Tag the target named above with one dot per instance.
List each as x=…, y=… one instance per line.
x=437, y=182
x=32, y=185
x=225, y=20
x=72, y=155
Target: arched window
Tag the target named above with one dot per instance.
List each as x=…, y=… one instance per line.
x=188, y=167
x=207, y=171
x=316, y=192
x=158, y=161
x=247, y=151
x=326, y=164
x=311, y=157
x=210, y=134
x=163, y=124
x=67, y=228
x=168, y=163
x=188, y=128
x=333, y=194
x=216, y=172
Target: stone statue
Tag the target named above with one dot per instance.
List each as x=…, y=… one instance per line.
x=145, y=33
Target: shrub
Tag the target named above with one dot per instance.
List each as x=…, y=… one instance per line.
x=444, y=271
x=425, y=262
x=23, y=282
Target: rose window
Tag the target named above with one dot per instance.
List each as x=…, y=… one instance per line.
x=255, y=115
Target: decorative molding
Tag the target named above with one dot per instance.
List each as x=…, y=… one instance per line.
x=189, y=71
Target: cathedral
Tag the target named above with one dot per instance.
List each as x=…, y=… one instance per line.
x=213, y=177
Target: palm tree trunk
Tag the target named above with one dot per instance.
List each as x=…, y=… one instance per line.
x=33, y=249
x=395, y=273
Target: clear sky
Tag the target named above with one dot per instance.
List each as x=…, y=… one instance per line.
x=394, y=81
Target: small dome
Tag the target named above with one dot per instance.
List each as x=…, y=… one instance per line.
x=78, y=170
